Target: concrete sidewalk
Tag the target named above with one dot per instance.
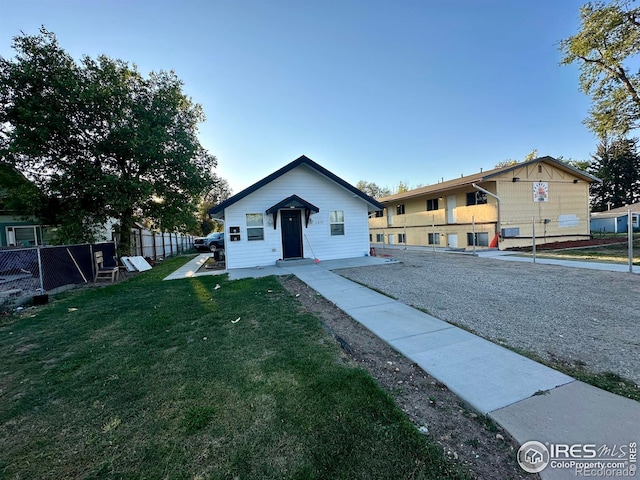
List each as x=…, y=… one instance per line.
x=513, y=257
x=531, y=401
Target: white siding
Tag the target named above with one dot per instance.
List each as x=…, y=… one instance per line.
x=317, y=240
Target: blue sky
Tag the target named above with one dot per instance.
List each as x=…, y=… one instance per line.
x=384, y=91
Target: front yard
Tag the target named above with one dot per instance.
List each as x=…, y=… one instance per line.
x=152, y=379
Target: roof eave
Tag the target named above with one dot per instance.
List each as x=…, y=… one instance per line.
x=218, y=210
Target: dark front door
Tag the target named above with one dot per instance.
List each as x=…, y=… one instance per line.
x=291, y=234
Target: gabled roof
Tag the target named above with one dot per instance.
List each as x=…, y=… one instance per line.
x=485, y=176
x=616, y=212
x=294, y=201
x=218, y=210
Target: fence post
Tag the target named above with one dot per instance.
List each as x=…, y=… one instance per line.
x=164, y=250
x=630, y=239
x=473, y=232
x=170, y=245
x=93, y=263
x=533, y=237
x=41, y=273
x=433, y=232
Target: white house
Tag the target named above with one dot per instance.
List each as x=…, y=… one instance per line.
x=300, y=211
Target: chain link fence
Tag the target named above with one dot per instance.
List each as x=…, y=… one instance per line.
x=28, y=273
x=32, y=273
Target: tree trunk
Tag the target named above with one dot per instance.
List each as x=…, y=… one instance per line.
x=126, y=224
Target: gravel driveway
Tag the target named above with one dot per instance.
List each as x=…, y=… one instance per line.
x=575, y=315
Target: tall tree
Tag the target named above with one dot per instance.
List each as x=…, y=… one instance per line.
x=510, y=162
x=402, y=187
x=219, y=193
x=617, y=164
x=372, y=189
x=579, y=164
x=606, y=48
x=101, y=139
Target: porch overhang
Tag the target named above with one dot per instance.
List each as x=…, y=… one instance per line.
x=294, y=201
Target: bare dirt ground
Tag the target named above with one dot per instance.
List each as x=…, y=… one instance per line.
x=467, y=438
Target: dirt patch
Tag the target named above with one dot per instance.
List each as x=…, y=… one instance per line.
x=593, y=242
x=467, y=438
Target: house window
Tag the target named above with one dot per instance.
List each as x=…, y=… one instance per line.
x=402, y=238
x=30, y=236
x=482, y=239
x=476, y=198
x=539, y=168
x=336, y=220
x=432, y=204
x=400, y=209
x=255, y=226
x=434, y=239
x=380, y=213
x=370, y=238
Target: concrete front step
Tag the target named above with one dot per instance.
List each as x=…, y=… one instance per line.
x=294, y=262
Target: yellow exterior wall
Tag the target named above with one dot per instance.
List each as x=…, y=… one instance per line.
x=566, y=211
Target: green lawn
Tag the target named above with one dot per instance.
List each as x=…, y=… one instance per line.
x=152, y=379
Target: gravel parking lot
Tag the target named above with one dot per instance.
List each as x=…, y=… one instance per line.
x=579, y=316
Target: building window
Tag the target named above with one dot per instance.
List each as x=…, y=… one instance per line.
x=476, y=198
x=482, y=239
x=336, y=220
x=434, y=239
x=380, y=237
x=255, y=226
x=432, y=204
x=380, y=213
x=539, y=168
x=402, y=238
x=400, y=209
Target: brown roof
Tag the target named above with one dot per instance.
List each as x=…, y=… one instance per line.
x=615, y=212
x=484, y=176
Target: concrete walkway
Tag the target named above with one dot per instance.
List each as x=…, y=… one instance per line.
x=514, y=257
x=531, y=401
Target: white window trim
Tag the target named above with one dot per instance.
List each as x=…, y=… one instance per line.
x=337, y=223
x=254, y=227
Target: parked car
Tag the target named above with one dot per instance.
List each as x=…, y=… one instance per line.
x=212, y=242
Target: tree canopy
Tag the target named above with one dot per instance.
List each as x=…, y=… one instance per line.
x=617, y=164
x=606, y=48
x=102, y=139
x=510, y=162
x=218, y=194
x=372, y=189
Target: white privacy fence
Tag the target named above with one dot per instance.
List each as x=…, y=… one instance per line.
x=158, y=245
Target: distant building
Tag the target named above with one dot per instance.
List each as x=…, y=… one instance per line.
x=616, y=219
x=18, y=229
x=497, y=208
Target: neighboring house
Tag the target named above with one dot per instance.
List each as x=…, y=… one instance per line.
x=300, y=211
x=544, y=192
x=16, y=228
x=616, y=219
